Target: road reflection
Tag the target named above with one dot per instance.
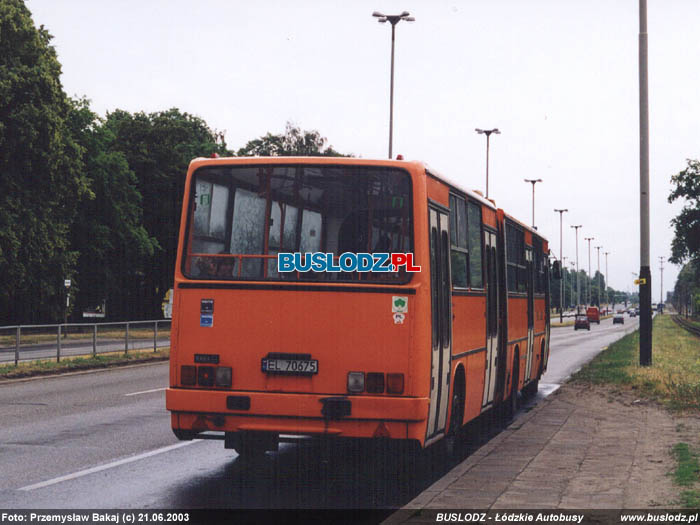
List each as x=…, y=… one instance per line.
x=354, y=475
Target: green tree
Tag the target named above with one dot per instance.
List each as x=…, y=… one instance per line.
x=113, y=244
x=686, y=241
x=158, y=148
x=686, y=292
x=293, y=142
x=40, y=172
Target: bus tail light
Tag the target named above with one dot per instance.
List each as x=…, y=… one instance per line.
x=356, y=382
x=375, y=383
x=188, y=375
x=394, y=383
x=205, y=376
x=223, y=375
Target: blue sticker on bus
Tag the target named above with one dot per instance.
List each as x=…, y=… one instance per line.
x=206, y=320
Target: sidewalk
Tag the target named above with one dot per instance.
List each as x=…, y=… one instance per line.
x=581, y=448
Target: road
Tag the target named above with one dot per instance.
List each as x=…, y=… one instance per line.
x=570, y=349
x=102, y=440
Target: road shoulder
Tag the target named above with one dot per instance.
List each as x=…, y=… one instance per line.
x=583, y=447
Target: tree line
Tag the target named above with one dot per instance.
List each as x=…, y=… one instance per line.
x=685, y=247
x=96, y=200
x=593, y=287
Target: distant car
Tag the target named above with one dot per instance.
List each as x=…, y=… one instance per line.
x=633, y=312
x=593, y=315
x=618, y=318
x=582, y=322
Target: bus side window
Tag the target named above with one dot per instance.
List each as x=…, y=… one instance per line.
x=476, y=279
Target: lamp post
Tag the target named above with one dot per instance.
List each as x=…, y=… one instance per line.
x=487, y=132
x=661, y=260
x=573, y=269
x=578, y=284
x=393, y=20
x=589, y=239
x=598, y=298
x=563, y=264
x=607, y=283
x=561, y=254
x=533, y=182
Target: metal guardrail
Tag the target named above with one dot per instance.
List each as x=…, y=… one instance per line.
x=86, y=330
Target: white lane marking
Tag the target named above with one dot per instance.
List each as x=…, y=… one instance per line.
x=146, y=391
x=92, y=470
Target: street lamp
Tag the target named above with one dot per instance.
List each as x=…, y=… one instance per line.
x=598, y=297
x=661, y=261
x=578, y=284
x=487, y=132
x=561, y=254
x=563, y=264
x=573, y=269
x=607, y=283
x=589, y=239
x=533, y=182
x=393, y=20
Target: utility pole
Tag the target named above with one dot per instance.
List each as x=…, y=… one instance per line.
x=590, y=280
x=644, y=266
x=598, y=298
x=578, y=283
x=561, y=251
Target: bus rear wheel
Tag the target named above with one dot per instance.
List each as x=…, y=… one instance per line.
x=251, y=445
x=453, y=438
x=512, y=401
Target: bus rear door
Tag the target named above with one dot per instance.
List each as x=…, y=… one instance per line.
x=441, y=301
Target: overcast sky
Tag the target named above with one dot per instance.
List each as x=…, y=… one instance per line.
x=559, y=78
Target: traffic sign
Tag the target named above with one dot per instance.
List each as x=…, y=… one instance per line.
x=66, y=283
x=640, y=281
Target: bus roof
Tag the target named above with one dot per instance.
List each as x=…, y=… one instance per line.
x=524, y=226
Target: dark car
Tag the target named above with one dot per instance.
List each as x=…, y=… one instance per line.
x=618, y=318
x=633, y=312
x=582, y=322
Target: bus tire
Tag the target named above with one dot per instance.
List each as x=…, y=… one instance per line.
x=247, y=445
x=184, y=435
x=453, y=437
x=512, y=401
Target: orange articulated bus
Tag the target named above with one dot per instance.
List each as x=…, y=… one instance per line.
x=260, y=355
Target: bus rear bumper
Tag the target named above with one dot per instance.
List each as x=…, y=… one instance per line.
x=298, y=414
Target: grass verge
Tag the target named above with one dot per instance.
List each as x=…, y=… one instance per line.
x=673, y=378
x=75, y=363
x=686, y=474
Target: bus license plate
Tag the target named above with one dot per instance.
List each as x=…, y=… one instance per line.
x=290, y=366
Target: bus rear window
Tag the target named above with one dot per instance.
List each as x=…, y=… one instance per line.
x=241, y=217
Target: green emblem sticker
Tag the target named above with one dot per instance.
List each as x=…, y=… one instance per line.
x=399, y=304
